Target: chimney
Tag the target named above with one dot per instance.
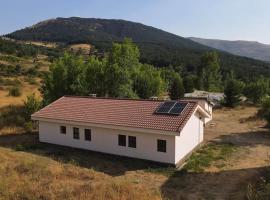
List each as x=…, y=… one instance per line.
x=153, y=98
x=93, y=95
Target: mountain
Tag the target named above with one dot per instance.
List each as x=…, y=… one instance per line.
x=157, y=47
x=249, y=49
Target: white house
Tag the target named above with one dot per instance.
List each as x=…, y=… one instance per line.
x=161, y=131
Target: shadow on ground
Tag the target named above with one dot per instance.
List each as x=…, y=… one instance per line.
x=110, y=164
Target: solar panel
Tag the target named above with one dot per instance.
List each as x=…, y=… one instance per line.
x=178, y=108
x=165, y=107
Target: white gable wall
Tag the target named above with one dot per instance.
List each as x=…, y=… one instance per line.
x=106, y=141
x=190, y=137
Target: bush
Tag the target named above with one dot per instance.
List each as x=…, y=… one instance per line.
x=264, y=112
x=31, y=105
x=232, y=91
x=14, y=91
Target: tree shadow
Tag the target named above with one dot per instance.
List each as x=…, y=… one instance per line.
x=110, y=164
x=251, y=138
x=231, y=184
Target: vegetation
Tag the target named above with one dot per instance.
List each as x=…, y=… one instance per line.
x=232, y=91
x=209, y=72
x=177, y=88
x=255, y=91
x=120, y=74
x=264, y=112
x=208, y=154
x=158, y=48
x=14, y=91
x=31, y=105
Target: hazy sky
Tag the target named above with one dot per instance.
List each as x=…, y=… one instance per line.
x=219, y=19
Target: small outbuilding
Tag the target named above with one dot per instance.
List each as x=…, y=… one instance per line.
x=161, y=131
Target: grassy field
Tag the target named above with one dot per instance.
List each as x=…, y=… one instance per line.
x=234, y=157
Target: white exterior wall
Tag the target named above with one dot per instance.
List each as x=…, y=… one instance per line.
x=190, y=136
x=106, y=141
x=207, y=106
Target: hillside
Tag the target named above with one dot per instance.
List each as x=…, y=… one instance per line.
x=249, y=49
x=157, y=47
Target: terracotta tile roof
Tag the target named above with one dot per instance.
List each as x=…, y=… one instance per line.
x=117, y=112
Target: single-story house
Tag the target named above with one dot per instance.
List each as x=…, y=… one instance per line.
x=161, y=131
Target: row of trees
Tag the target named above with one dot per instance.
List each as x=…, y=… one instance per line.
x=118, y=74
x=254, y=91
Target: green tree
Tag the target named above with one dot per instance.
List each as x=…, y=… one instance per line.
x=255, y=91
x=147, y=82
x=122, y=62
x=63, y=78
x=31, y=104
x=176, y=90
x=189, y=83
x=209, y=72
x=92, y=77
x=264, y=112
x=233, y=90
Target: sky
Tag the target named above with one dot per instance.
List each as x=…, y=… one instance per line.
x=215, y=19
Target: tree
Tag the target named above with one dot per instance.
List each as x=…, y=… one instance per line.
x=92, y=77
x=176, y=90
x=255, y=91
x=189, y=84
x=232, y=91
x=209, y=72
x=122, y=61
x=31, y=105
x=63, y=78
x=148, y=82
x=264, y=112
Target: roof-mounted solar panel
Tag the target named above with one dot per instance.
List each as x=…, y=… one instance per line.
x=165, y=107
x=171, y=108
x=178, y=108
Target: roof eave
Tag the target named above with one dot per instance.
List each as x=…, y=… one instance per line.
x=108, y=126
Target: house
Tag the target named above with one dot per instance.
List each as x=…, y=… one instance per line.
x=205, y=103
x=161, y=131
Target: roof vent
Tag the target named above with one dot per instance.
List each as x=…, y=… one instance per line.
x=153, y=98
x=93, y=95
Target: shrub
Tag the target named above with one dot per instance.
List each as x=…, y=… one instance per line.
x=14, y=91
x=31, y=105
x=264, y=112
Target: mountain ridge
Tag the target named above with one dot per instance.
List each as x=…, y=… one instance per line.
x=251, y=49
x=157, y=47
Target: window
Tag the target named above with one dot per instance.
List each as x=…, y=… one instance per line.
x=132, y=141
x=87, y=134
x=121, y=140
x=63, y=130
x=76, y=133
x=161, y=146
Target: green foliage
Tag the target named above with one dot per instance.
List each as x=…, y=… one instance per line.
x=14, y=91
x=264, y=112
x=157, y=47
x=255, y=91
x=207, y=155
x=233, y=90
x=189, y=83
x=176, y=90
x=148, y=82
x=120, y=74
x=209, y=72
x=63, y=78
x=31, y=105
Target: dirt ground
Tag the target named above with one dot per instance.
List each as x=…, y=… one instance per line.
x=238, y=127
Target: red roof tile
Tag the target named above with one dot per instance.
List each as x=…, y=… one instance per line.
x=117, y=112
